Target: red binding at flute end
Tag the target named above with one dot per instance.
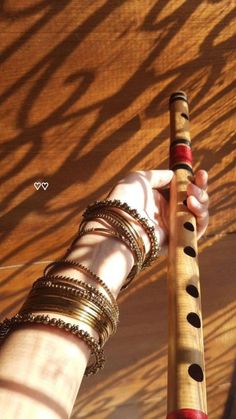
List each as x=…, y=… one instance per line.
x=187, y=414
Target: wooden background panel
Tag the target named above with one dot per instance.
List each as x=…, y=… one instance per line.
x=84, y=90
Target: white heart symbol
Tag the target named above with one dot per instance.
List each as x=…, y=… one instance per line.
x=37, y=185
x=45, y=185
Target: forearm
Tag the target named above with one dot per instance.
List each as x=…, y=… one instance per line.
x=41, y=367
x=40, y=373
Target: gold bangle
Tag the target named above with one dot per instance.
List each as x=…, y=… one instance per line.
x=78, y=313
x=81, y=268
x=114, y=234
x=60, y=287
x=100, y=312
x=105, y=313
x=61, y=281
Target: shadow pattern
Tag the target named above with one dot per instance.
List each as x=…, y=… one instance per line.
x=83, y=101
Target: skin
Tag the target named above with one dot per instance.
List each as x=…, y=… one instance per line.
x=41, y=368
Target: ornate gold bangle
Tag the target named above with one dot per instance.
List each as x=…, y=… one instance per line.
x=77, y=288
x=74, y=296
x=100, y=312
x=65, y=307
x=81, y=268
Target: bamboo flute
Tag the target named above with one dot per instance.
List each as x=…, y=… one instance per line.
x=186, y=370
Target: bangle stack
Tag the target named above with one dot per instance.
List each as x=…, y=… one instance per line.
x=106, y=210
x=73, y=301
x=77, y=298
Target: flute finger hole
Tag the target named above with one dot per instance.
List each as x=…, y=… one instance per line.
x=189, y=226
x=185, y=202
x=188, y=250
x=184, y=115
x=195, y=372
x=192, y=290
x=194, y=320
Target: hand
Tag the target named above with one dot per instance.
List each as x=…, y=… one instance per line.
x=141, y=190
x=198, y=201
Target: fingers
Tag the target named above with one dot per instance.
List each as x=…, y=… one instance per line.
x=201, y=213
x=201, y=179
x=199, y=210
x=200, y=194
x=198, y=200
x=160, y=178
x=157, y=178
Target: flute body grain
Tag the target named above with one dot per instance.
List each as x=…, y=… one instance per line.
x=186, y=369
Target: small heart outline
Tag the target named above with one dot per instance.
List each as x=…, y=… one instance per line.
x=45, y=185
x=37, y=185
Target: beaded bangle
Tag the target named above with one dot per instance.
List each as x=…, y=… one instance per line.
x=79, y=267
x=135, y=234
x=61, y=289
x=76, y=283
x=150, y=230
x=79, y=311
x=75, y=296
x=9, y=324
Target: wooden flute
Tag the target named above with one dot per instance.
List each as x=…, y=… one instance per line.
x=186, y=369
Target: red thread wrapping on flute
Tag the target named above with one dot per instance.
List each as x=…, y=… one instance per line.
x=180, y=153
x=187, y=414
